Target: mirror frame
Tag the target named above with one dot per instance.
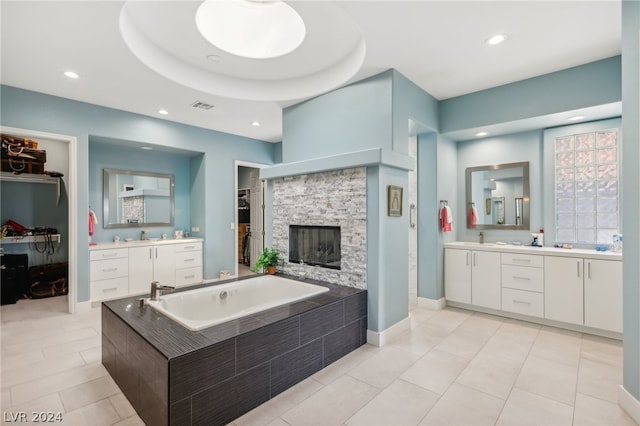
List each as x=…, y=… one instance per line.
x=525, y=195
x=105, y=198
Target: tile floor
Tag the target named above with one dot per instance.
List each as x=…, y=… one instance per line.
x=453, y=367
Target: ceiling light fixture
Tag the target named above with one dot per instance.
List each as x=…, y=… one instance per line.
x=575, y=118
x=71, y=74
x=256, y=29
x=255, y=123
x=163, y=111
x=214, y=58
x=496, y=39
x=481, y=134
x=146, y=148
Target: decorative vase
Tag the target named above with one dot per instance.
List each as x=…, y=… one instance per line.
x=271, y=270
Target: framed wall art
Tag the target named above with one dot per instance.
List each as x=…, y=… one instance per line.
x=394, y=201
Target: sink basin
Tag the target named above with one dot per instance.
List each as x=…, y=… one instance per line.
x=469, y=243
x=148, y=240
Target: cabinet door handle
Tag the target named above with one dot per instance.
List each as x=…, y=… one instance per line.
x=474, y=259
x=150, y=253
x=109, y=254
x=110, y=270
x=522, y=260
x=589, y=270
x=412, y=210
x=109, y=289
x=188, y=248
x=522, y=278
x=188, y=277
x=578, y=268
x=522, y=302
x=467, y=259
x=190, y=260
x=156, y=252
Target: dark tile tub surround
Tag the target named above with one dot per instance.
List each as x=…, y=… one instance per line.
x=174, y=376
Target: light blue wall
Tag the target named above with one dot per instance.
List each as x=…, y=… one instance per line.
x=104, y=155
x=596, y=83
x=511, y=148
x=631, y=195
x=352, y=118
x=212, y=175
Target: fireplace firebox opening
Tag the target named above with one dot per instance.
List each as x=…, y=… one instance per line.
x=315, y=245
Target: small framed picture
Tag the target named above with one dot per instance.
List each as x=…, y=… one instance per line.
x=487, y=206
x=394, y=201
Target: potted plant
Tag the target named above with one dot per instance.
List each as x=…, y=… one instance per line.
x=267, y=260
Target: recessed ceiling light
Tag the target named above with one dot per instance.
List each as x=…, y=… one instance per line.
x=496, y=39
x=71, y=74
x=256, y=29
x=163, y=111
x=214, y=58
x=146, y=148
x=575, y=118
x=481, y=134
x=255, y=123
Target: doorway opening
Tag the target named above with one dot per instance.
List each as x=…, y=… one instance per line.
x=249, y=217
x=51, y=218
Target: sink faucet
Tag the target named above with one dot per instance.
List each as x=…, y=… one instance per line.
x=157, y=290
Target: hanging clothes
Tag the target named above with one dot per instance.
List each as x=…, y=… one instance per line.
x=93, y=221
x=473, y=216
x=446, y=219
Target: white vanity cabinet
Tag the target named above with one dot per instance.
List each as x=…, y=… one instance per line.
x=188, y=264
x=472, y=277
x=603, y=294
x=151, y=263
x=564, y=289
x=109, y=271
x=584, y=291
x=577, y=289
x=523, y=284
x=119, y=270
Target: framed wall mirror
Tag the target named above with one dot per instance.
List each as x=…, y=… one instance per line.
x=134, y=199
x=498, y=196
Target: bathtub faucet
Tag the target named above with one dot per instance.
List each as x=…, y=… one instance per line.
x=157, y=290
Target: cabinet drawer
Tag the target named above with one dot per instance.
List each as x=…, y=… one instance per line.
x=531, y=260
x=109, y=289
x=108, y=269
x=523, y=278
x=108, y=254
x=189, y=247
x=188, y=259
x=188, y=276
x=523, y=302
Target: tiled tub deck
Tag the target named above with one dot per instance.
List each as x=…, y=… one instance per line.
x=174, y=376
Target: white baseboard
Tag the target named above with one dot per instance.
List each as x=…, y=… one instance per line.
x=629, y=404
x=423, y=302
x=381, y=338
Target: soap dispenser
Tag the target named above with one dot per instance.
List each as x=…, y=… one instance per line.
x=481, y=236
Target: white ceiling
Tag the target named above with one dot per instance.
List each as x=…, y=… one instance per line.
x=439, y=45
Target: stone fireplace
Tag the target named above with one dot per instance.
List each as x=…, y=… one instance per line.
x=335, y=199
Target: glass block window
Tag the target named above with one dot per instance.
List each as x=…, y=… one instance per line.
x=587, y=187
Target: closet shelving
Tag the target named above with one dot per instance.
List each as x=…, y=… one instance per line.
x=32, y=178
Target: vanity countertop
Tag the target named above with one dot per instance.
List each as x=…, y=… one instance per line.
x=142, y=243
x=543, y=251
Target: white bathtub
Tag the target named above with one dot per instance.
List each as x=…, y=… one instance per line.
x=208, y=306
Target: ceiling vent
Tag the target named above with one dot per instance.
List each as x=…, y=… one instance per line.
x=202, y=105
